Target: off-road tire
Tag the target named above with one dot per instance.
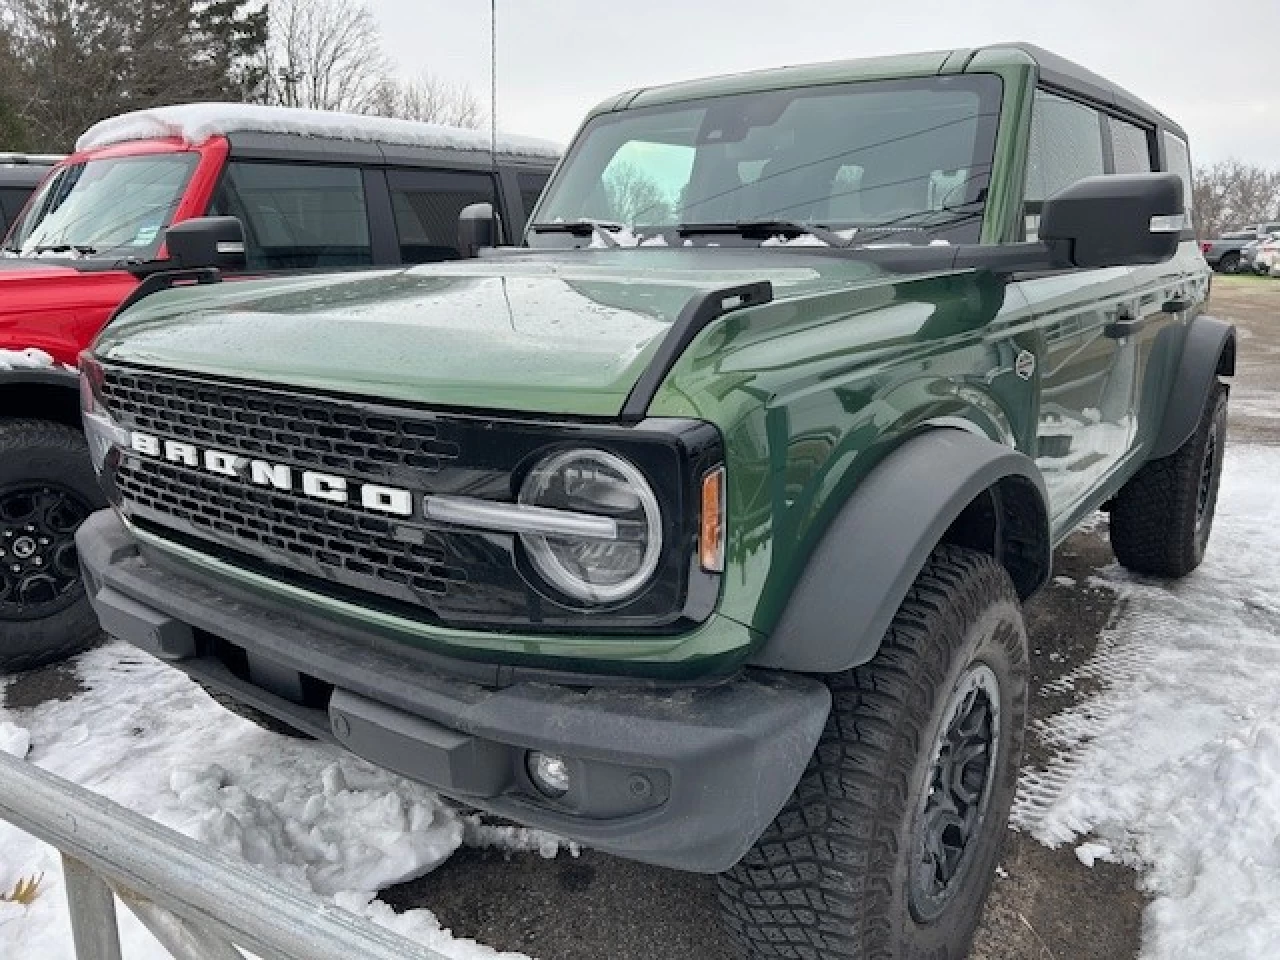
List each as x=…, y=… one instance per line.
x=1230, y=263
x=1159, y=525
x=252, y=714
x=830, y=879
x=32, y=451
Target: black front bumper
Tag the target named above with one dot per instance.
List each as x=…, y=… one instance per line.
x=682, y=778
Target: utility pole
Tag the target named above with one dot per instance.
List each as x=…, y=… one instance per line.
x=493, y=82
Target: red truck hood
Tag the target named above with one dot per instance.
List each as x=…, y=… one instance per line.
x=55, y=307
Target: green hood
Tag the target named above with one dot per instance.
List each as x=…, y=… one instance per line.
x=566, y=334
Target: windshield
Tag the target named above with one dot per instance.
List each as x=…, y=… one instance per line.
x=889, y=160
x=111, y=208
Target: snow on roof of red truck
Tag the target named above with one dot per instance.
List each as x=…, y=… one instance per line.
x=197, y=122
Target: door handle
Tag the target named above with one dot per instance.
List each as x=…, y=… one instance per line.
x=1176, y=304
x=1126, y=324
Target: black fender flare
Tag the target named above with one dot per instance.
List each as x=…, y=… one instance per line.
x=861, y=570
x=55, y=376
x=1208, y=350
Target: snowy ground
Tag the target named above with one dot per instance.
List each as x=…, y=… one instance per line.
x=145, y=736
x=1174, y=768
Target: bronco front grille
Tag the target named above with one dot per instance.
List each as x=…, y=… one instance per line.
x=407, y=565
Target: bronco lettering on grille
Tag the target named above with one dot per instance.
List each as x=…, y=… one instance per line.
x=278, y=476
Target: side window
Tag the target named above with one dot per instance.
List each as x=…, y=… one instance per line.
x=426, y=206
x=11, y=201
x=1129, y=147
x=297, y=216
x=1178, y=160
x=531, y=185
x=1066, y=146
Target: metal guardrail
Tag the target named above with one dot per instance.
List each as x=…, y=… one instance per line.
x=200, y=903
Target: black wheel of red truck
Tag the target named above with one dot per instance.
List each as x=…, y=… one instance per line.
x=1161, y=519
x=889, y=844
x=47, y=489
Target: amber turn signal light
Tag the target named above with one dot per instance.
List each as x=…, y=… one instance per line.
x=711, y=533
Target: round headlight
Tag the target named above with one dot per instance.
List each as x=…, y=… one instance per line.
x=594, y=569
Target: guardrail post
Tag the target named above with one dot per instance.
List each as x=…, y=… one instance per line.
x=183, y=939
x=93, y=912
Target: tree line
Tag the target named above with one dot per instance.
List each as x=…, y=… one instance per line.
x=65, y=64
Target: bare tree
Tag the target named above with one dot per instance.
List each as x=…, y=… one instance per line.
x=1234, y=194
x=634, y=197
x=325, y=54
x=430, y=99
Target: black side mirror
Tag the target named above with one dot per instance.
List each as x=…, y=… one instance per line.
x=206, y=242
x=477, y=227
x=1115, y=220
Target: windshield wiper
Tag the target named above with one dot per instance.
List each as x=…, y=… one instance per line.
x=764, y=230
x=582, y=227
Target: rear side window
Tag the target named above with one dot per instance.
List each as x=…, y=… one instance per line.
x=11, y=202
x=531, y=186
x=426, y=206
x=1129, y=147
x=1066, y=146
x=297, y=216
x=1178, y=160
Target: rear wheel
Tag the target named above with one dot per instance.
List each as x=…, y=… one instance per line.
x=888, y=846
x=1161, y=519
x=1230, y=263
x=47, y=489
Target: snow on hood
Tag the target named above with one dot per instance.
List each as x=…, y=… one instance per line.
x=28, y=359
x=197, y=122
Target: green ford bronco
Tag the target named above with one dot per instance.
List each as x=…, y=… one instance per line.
x=698, y=528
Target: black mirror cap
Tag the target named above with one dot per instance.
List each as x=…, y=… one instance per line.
x=1115, y=220
x=477, y=228
x=206, y=242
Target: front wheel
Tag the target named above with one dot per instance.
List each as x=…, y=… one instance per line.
x=47, y=489
x=888, y=846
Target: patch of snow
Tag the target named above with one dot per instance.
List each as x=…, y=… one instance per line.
x=1064, y=582
x=489, y=836
x=1002, y=873
x=28, y=359
x=195, y=123
x=147, y=737
x=1090, y=853
x=14, y=740
x=1175, y=766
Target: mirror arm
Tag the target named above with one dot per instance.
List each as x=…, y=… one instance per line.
x=1011, y=257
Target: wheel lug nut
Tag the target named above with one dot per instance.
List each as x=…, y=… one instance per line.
x=38, y=562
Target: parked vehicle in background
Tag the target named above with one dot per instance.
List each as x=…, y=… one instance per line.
x=20, y=174
x=1247, y=254
x=698, y=532
x=1267, y=256
x=312, y=191
x=1224, y=253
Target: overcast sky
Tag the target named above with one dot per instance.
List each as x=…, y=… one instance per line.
x=1211, y=65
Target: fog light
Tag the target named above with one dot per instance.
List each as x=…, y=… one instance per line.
x=550, y=774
